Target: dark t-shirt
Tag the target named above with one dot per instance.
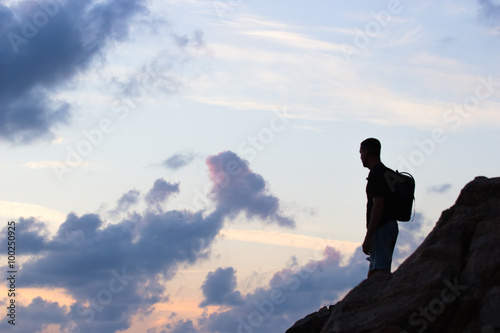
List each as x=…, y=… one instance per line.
x=378, y=185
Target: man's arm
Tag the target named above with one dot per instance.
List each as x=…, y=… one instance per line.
x=375, y=217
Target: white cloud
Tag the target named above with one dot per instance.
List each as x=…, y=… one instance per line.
x=404, y=36
x=288, y=239
x=296, y=40
x=42, y=164
x=11, y=210
x=234, y=103
x=321, y=85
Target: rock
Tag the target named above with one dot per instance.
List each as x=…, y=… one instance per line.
x=451, y=283
x=312, y=322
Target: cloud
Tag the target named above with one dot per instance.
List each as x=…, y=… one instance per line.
x=35, y=236
x=288, y=239
x=117, y=271
x=238, y=188
x=490, y=11
x=46, y=45
x=126, y=201
x=79, y=228
x=40, y=313
x=160, y=192
x=178, y=160
x=184, y=326
x=439, y=188
x=164, y=73
x=218, y=288
x=290, y=294
x=302, y=288
x=12, y=209
x=296, y=40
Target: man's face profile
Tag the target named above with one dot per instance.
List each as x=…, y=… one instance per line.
x=363, y=155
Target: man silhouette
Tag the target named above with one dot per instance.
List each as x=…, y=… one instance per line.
x=382, y=227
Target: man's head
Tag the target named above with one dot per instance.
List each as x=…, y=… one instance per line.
x=370, y=152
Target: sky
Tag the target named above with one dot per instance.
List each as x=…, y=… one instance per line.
x=193, y=166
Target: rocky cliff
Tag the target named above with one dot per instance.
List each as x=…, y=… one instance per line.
x=451, y=283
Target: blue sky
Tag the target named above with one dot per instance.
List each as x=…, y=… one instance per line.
x=193, y=166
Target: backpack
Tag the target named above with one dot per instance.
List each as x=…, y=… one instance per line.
x=402, y=186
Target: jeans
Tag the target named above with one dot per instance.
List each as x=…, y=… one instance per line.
x=383, y=243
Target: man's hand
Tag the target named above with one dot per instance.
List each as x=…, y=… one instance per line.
x=367, y=245
x=376, y=215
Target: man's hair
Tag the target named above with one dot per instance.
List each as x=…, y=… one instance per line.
x=372, y=146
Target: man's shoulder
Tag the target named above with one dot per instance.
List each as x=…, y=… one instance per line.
x=378, y=170
x=379, y=178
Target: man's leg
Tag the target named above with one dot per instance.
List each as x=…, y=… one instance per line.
x=383, y=243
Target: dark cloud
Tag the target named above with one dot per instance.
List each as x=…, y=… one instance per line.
x=490, y=11
x=40, y=313
x=160, y=192
x=238, y=188
x=47, y=43
x=116, y=271
x=126, y=201
x=219, y=288
x=75, y=227
x=179, y=160
x=183, y=326
x=35, y=236
x=291, y=293
x=303, y=288
x=439, y=188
